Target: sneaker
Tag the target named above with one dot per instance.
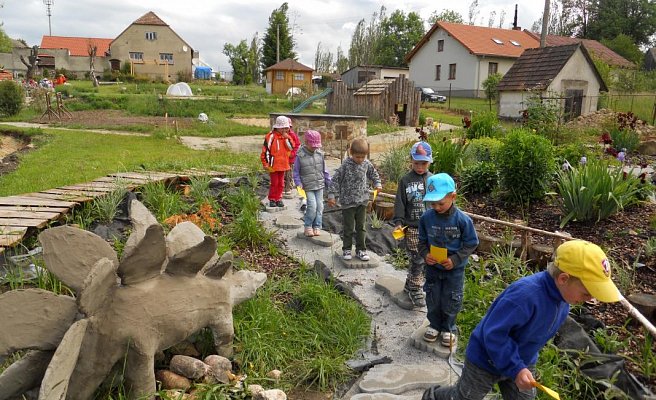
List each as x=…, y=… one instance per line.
x=272, y=203
x=431, y=335
x=346, y=255
x=448, y=339
x=362, y=255
x=317, y=231
x=279, y=203
x=303, y=207
x=308, y=232
x=417, y=297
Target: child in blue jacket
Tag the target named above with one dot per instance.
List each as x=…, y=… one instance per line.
x=444, y=227
x=504, y=346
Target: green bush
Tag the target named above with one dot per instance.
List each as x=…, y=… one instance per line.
x=571, y=153
x=395, y=163
x=448, y=155
x=625, y=139
x=484, y=125
x=543, y=116
x=525, y=163
x=11, y=98
x=481, y=177
x=594, y=192
x=483, y=149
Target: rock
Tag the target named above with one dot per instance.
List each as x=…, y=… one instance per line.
x=274, y=374
x=219, y=362
x=272, y=394
x=176, y=395
x=645, y=303
x=255, y=389
x=189, y=367
x=171, y=380
x=185, y=348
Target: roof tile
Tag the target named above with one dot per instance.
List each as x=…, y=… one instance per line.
x=77, y=46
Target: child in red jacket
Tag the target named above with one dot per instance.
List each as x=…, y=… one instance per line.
x=275, y=158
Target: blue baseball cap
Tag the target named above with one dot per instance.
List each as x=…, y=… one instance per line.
x=438, y=186
x=421, y=151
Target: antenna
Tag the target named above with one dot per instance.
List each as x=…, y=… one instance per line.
x=49, y=4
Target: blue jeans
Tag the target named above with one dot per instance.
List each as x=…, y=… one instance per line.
x=314, y=211
x=444, y=292
x=475, y=383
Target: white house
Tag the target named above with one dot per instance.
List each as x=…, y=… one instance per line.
x=455, y=59
x=361, y=74
x=565, y=74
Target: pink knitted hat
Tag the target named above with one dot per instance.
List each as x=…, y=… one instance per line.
x=313, y=138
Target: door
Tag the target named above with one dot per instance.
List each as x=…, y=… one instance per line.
x=573, y=103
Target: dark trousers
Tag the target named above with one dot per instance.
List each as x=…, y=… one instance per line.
x=354, y=218
x=444, y=292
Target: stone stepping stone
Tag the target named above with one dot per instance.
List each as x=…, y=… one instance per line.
x=393, y=287
x=325, y=239
x=274, y=209
x=288, y=222
x=398, y=379
x=356, y=263
x=417, y=340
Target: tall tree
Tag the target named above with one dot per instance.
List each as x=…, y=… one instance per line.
x=342, y=62
x=626, y=47
x=447, y=16
x=238, y=56
x=493, y=17
x=5, y=42
x=254, y=55
x=399, y=34
x=634, y=18
x=278, y=42
x=473, y=12
x=323, y=60
x=563, y=20
x=365, y=39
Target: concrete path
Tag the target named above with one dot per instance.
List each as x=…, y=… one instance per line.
x=395, y=332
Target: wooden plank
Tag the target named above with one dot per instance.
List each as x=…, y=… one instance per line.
x=29, y=214
x=36, y=209
x=33, y=201
x=78, y=193
x=51, y=196
x=89, y=188
x=29, y=223
x=12, y=230
x=130, y=181
x=145, y=175
x=99, y=185
x=10, y=240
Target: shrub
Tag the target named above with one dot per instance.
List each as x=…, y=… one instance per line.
x=481, y=177
x=394, y=163
x=594, y=192
x=625, y=139
x=11, y=98
x=447, y=155
x=483, y=149
x=571, y=153
x=484, y=125
x=525, y=163
x=543, y=116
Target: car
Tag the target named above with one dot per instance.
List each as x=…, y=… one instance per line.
x=428, y=94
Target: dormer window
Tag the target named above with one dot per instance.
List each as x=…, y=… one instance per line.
x=515, y=43
x=497, y=41
x=151, y=35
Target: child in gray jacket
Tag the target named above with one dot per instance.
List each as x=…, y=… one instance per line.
x=350, y=183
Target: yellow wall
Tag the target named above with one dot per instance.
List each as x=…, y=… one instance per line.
x=280, y=86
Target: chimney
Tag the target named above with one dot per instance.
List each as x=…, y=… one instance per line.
x=515, y=27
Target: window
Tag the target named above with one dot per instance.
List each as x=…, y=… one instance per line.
x=515, y=43
x=136, y=56
x=438, y=72
x=280, y=75
x=492, y=68
x=168, y=57
x=452, y=71
x=366, y=76
x=151, y=35
x=298, y=77
x=440, y=45
x=497, y=41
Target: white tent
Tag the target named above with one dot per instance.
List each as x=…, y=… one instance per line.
x=179, y=89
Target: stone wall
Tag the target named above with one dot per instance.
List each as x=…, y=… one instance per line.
x=337, y=131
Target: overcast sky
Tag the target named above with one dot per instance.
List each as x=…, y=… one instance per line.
x=208, y=24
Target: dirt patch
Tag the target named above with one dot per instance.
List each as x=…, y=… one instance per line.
x=114, y=119
x=11, y=145
x=261, y=122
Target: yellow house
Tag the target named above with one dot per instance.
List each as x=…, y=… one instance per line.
x=288, y=74
x=153, y=49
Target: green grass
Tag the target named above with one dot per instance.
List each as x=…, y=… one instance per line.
x=640, y=104
x=70, y=157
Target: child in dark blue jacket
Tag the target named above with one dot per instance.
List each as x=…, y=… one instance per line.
x=504, y=346
x=446, y=240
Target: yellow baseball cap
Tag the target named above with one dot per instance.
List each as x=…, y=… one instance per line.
x=588, y=262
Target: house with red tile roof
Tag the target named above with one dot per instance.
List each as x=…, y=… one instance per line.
x=288, y=75
x=596, y=49
x=72, y=54
x=455, y=59
x=153, y=50
x=564, y=75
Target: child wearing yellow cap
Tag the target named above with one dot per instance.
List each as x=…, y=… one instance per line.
x=504, y=346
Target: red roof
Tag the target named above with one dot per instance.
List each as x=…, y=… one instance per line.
x=77, y=46
x=150, y=18
x=597, y=49
x=289, y=65
x=482, y=41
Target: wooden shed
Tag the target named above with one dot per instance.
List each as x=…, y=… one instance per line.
x=382, y=99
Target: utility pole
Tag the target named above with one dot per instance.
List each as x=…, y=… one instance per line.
x=48, y=4
x=545, y=23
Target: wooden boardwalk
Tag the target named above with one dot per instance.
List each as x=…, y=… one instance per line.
x=27, y=212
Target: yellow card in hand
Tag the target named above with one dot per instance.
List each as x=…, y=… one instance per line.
x=548, y=391
x=301, y=192
x=438, y=253
x=375, y=194
x=399, y=233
